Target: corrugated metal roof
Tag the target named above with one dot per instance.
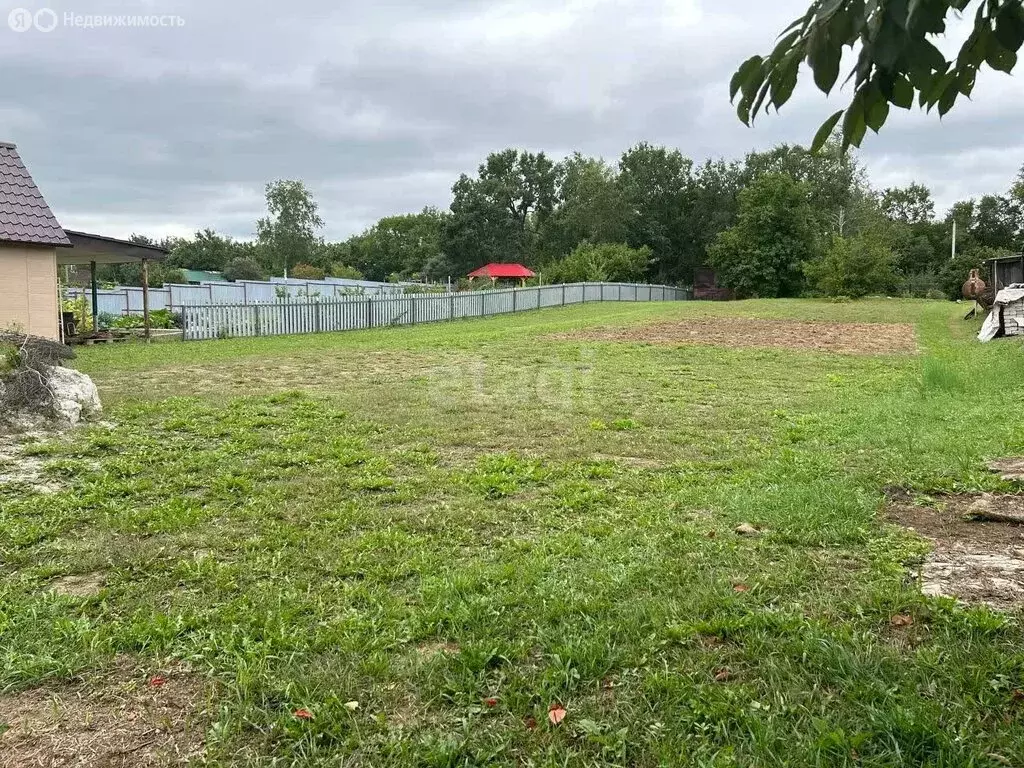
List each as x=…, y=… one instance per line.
x=24, y=215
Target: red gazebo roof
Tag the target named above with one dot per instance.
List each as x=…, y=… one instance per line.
x=518, y=271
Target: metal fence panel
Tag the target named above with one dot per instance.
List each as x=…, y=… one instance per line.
x=304, y=313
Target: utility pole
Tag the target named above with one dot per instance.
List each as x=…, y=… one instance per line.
x=953, y=247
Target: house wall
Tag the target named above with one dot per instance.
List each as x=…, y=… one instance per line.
x=28, y=289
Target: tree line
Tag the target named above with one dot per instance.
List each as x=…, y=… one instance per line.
x=783, y=222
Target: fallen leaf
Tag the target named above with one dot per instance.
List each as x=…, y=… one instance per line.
x=722, y=675
x=740, y=588
x=351, y=706
x=746, y=529
x=556, y=714
x=492, y=702
x=156, y=681
x=711, y=534
x=303, y=714
x=530, y=723
x=901, y=620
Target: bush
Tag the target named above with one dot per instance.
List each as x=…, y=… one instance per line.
x=955, y=272
x=346, y=272
x=853, y=267
x=243, y=269
x=158, y=318
x=307, y=272
x=606, y=262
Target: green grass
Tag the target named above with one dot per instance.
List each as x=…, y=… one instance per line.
x=424, y=519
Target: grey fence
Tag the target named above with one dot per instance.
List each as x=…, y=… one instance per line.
x=127, y=300
x=319, y=314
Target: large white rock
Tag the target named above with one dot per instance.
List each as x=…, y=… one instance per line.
x=75, y=397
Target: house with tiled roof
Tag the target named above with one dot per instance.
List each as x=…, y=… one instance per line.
x=29, y=238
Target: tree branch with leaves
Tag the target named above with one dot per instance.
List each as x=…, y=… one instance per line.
x=897, y=62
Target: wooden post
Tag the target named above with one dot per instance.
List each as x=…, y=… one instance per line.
x=95, y=298
x=145, y=301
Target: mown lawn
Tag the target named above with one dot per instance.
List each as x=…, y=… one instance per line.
x=460, y=525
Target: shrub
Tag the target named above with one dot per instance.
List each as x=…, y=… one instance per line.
x=853, y=267
x=158, y=318
x=243, y=269
x=307, y=272
x=605, y=262
x=346, y=272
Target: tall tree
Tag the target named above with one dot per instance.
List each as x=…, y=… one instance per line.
x=590, y=207
x=657, y=187
x=911, y=204
x=714, y=205
x=398, y=245
x=897, y=59
x=497, y=215
x=765, y=252
x=833, y=177
x=206, y=251
x=288, y=235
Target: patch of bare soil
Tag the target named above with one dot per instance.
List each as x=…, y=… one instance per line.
x=18, y=469
x=1012, y=470
x=752, y=333
x=631, y=462
x=973, y=560
x=123, y=719
x=84, y=585
x=435, y=648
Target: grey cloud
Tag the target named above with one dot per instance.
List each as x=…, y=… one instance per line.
x=379, y=107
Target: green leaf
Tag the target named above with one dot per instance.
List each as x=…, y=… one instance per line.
x=1009, y=29
x=928, y=55
x=902, y=93
x=854, y=125
x=825, y=64
x=761, y=95
x=899, y=12
x=939, y=84
x=888, y=45
x=743, y=74
x=1000, y=59
x=948, y=97
x=784, y=81
x=965, y=80
x=876, y=113
x=829, y=7
x=825, y=131
x=972, y=52
x=784, y=45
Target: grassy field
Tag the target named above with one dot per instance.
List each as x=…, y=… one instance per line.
x=459, y=526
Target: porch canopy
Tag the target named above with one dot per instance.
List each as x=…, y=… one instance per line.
x=96, y=249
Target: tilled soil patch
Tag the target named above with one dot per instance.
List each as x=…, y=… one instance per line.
x=123, y=718
x=976, y=561
x=752, y=333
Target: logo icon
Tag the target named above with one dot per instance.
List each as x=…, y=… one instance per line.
x=45, y=20
x=20, y=20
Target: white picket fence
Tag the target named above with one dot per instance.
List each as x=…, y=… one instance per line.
x=320, y=315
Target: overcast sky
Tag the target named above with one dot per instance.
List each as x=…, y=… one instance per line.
x=379, y=106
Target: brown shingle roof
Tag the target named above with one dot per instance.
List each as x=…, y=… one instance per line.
x=24, y=215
